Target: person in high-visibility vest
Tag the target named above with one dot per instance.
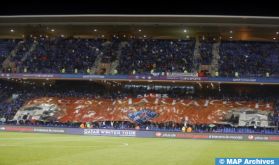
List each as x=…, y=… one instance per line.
x=183, y=129
x=189, y=129
x=88, y=125
x=82, y=125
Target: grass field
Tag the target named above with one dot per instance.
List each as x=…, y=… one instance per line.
x=50, y=149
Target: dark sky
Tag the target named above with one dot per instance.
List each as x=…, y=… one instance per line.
x=225, y=7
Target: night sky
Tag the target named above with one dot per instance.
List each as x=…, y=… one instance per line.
x=190, y=7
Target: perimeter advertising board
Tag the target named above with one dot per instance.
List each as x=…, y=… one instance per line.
x=136, y=133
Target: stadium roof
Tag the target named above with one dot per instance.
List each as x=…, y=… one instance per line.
x=142, y=19
x=168, y=26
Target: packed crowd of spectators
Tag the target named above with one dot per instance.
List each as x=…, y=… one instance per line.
x=249, y=58
x=144, y=56
x=25, y=92
x=62, y=55
x=136, y=56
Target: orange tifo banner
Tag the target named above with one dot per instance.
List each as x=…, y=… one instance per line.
x=198, y=111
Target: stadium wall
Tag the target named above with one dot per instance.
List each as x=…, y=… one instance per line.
x=134, y=133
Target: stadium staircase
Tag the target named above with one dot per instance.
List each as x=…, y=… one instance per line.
x=215, y=58
x=32, y=48
x=7, y=63
x=4, y=52
x=109, y=67
x=96, y=66
x=115, y=63
x=197, y=56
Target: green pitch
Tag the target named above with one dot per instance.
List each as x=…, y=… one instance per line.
x=50, y=149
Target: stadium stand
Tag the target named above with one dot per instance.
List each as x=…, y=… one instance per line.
x=249, y=58
x=69, y=105
x=144, y=56
x=73, y=54
x=135, y=56
x=121, y=108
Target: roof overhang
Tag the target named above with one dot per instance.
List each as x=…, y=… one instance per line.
x=206, y=20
